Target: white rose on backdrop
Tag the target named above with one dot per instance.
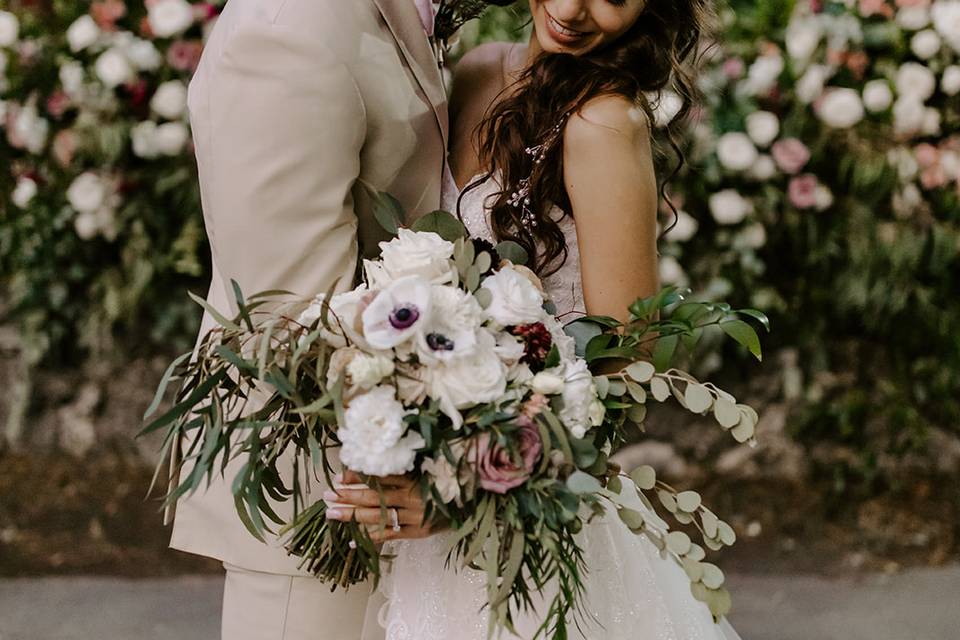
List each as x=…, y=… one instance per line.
x=9, y=29
x=950, y=80
x=31, y=128
x=763, y=74
x=685, y=228
x=71, y=77
x=671, y=272
x=946, y=20
x=729, y=207
x=925, y=44
x=666, y=106
x=372, y=435
x=841, y=108
x=144, y=55
x=909, y=115
x=736, y=151
x=902, y=159
x=417, y=254
x=515, y=299
x=169, y=18
x=810, y=85
x=915, y=81
x=87, y=193
x=478, y=378
x=579, y=396
x=24, y=192
x=950, y=163
x=86, y=225
x=170, y=100
x=171, y=137
x=931, y=122
x=877, y=96
x=83, y=33
x=113, y=68
x=913, y=18
x=802, y=38
x=823, y=197
x=143, y=136
x=753, y=236
x=763, y=127
x=764, y=168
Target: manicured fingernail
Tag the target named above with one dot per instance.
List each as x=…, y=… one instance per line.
x=330, y=495
x=334, y=514
x=338, y=476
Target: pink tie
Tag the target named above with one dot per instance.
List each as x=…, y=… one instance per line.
x=427, y=15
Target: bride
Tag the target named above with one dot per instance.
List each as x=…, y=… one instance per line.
x=552, y=149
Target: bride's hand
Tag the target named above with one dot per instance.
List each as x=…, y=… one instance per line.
x=363, y=505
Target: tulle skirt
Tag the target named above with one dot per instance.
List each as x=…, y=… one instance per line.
x=631, y=593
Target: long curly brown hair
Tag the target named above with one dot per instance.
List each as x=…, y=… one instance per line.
x=660, y=51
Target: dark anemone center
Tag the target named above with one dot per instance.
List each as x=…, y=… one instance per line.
x=439, y=342
x=404, y=316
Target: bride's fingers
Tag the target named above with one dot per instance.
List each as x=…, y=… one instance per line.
x=406, y=533
x=405, y=498
x=373, y=515
x=399, y=481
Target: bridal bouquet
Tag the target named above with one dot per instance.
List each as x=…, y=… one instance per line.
x=447, y=363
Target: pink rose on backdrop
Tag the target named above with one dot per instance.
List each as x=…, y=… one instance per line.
x=927, y=155
x=733, y=68
x=57, y=104
x=802, y=191
x=64, y=147
x=790, y=154
x=106, y=13
x=497, y=470
x=184, y=55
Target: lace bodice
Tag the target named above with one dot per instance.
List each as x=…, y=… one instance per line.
x=564, y=287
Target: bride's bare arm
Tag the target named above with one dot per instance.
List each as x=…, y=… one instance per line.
x=609, y=177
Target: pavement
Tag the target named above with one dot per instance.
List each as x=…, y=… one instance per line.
x=918, y=604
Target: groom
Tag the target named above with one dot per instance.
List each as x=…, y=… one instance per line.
x=299, y=106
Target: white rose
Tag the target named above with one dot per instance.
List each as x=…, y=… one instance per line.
x=925, y=44
x=169, y=18
x=418, y=254
x=372, y=435
x=344, y=317
x=685, y=227
x=107, y=222
x=913, y=18
x=478, y=378
x=547, y=383
x=666, y=106
x=763, y=127
x=811, y=83
x=903, y=161
x=144, y=55
x=515, y=300
x=729, y=207
x=950, y=80
x=802, y=38
x=579, y=395
x=764, y=168
x=171, y=137
x=24, y=192
x=366, y=371
x=86, y=225
x=170, y=100
x=144, y=138
x=915, y=81
x=9, y=29
x=113, y=68
x=83, y=33
x=946, y=20
x=908, y=115
x=736, y=151
x=753, y=236
x=950, y=163
x=823, y=197
x=763, y=74
x=32, y=129
x=877, y=96
x=931, y=122
x=841, y=108
x=670, y=271
x=87, y=193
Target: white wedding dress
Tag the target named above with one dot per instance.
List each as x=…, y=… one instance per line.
x=631, y=592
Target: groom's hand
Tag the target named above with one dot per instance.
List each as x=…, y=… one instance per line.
x=363, y=505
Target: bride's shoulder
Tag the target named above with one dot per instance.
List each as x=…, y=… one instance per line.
x=487, y=58
x=605, y=116
x=478, y=78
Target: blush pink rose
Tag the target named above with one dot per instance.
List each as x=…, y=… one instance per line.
x=184, y=55
x=927, y=155
x=497, y=470
x=790, y=154
x=802, y=191
x=64, y=147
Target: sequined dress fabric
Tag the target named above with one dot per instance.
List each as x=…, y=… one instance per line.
x=631, y=592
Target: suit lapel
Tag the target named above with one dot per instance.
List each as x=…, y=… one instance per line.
x=404, y=22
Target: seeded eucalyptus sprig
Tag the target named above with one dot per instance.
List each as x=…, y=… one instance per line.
x=453, y=14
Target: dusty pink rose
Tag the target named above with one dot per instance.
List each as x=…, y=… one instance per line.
x=204, y=11
x=57, y=104
x=927, y=155
x=734, y=67
x=184, y=55
x=106, y=13
x=875, y=7
x=64, y=147
x=802, y=191
x=933, y=177
x=790, y=154
x=497, y=470
x=856, y=62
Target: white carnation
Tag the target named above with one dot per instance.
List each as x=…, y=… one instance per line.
x=729, y=207
x=83, y=33
x=736, y=151
x=170, y=100
x=810, y=85
x=946, y=20
x=366, y=371
x=372, y=435
x=426, y=255
x=915, y=81
x=877, y=96
x=515, y=300
x=24, y=192
x=87, y=193
x=171, y=137
x=913, y=18
x=579, y=395
x=9, y=29
x=841, y=108
x=950, y=80
x=169, y=18
x=113, y=68
x=763, y=127
x=684, y=229
x=925, y=44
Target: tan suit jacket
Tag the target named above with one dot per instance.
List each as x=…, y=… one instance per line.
x=294, y=105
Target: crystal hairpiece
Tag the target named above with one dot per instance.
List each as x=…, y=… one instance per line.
x=520, y=198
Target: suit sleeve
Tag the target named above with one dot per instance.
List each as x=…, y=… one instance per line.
x=284, y=127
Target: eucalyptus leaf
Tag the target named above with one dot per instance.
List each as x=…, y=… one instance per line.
x=689, y=501
x=582, y=483
x=712, y=576
x=509, y=250
x=633, y=519
x=441, y=223
x=698, y=399
x=726, y=413
x=645, y=477
x=678, y=542
x=641, y=371
x=660, y=389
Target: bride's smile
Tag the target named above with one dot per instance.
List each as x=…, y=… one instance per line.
x=580, y=26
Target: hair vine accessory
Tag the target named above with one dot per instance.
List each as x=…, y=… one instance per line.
x=520, y=198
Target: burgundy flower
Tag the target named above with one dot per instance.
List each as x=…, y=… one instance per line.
x=497, y=469
x=538, y=342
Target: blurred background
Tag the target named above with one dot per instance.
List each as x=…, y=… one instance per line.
x=821, y=186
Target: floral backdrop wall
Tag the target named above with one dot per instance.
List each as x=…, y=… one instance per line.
x=821, y=185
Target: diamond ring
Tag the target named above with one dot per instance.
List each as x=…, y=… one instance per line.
x=396, y=519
